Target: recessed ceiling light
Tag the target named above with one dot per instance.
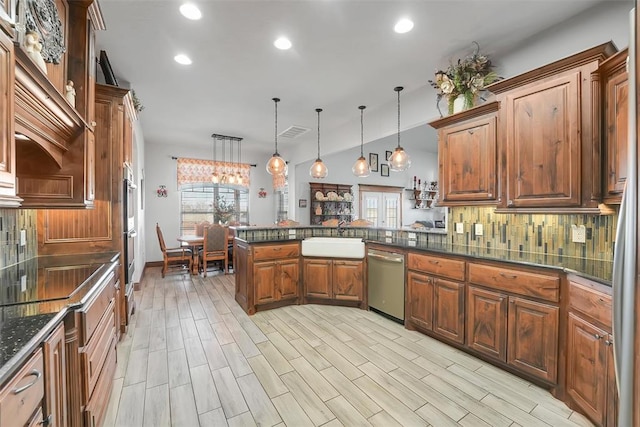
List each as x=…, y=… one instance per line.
x=282, y=43
x=403, y=26
x=190, y=11
x=182, y=59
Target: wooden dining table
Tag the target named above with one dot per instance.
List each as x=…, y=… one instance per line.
x=195, y=243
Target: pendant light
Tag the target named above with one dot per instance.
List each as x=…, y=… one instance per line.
x=399, y=160
x=215, y=178
x=318, y=168
x=276, y=164
x=361, y=167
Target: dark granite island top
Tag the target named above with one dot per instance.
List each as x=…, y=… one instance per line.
x=36, y=294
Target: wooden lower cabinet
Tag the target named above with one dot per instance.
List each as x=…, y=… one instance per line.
x=21, y=398
x=336, y=279
x=275, y=280
x=522, y=333
x=420, y=293
x=448, y=319
x=55, y=377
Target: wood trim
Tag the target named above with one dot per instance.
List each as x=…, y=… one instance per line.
x=471, y=113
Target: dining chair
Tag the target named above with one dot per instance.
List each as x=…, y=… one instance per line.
x=173, y=256
x=215, y=247
x=201, y=226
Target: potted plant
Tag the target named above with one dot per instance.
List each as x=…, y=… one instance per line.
x=223, y=211
x=462, y=81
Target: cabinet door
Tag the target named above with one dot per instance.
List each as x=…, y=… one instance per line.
x=533, y=338
x=264, y=282
x=348, y=280
x=586, y=367
x=7, y=138
x=543, y=144
x=448, y=319
x=612, y=390
x=55, y=378
x=487, y=322
x=317, y=278
x=289, y=275
x=468, y=161
x=617, y=100
x=420, y=289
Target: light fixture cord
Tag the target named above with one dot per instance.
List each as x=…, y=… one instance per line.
x=398, y=90
x=275, y=100
x=361, y=131
x=318, y=111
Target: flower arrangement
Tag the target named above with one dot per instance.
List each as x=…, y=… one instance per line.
x=223, y=211
x=466, y=77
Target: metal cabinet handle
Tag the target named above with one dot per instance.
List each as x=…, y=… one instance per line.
x=510, y=203
x=597, y=336
x=46, y=421
x=608, y=342
x=434, y=262
x=490, y=195
x=508, y=276
x=35, y=373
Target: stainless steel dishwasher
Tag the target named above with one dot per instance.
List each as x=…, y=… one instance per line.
x=386, y=283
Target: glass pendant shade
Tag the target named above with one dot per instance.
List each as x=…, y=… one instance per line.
x=399, y=160
x=215, y=178
x=318, y=169
x=361, y=167
x=276, y=164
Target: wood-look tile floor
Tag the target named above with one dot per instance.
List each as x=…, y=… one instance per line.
x=193, y=357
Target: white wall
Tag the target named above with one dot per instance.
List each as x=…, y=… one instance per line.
x=160, y=169
x=138, y=170
x=424, y=165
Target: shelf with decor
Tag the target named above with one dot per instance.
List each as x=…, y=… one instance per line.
x=423, y=198
x=330, y=201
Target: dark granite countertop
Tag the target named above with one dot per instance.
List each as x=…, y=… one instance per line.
x=598, y=270
x=36, y=294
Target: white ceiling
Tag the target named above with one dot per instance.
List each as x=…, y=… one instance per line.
x=345, y=53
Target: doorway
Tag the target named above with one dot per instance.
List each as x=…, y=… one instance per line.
x=381, y=205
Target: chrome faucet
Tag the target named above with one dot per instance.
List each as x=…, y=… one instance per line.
x=340, y=226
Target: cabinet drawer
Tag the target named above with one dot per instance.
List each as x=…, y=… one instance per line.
x=516, y=281
x=96, y=352
x=95, y=309
x=261, y=253
x=591, y=302
x=97, y=407
x=23, y=395
x=450, y=268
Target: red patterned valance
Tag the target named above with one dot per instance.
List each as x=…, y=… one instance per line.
x=191, y=171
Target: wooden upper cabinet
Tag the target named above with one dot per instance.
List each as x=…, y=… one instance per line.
x=467, y=150
x=550, y=136
x=615, y=94
x=8, y=196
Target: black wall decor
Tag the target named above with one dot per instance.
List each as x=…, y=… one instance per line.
x=41, y=16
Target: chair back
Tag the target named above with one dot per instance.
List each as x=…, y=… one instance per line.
x=215, y=238
x=201, y=226
x=163, y=248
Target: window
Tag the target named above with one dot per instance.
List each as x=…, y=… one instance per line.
x=196, y=204
x=381, y=205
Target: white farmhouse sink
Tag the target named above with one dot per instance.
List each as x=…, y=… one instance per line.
x=333, y=247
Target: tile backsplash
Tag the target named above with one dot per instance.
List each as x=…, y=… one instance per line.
x=11, y=222
x=534, y=233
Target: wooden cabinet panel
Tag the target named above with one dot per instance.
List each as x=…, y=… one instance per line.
x=487, y=322
x=440, y=266
x=96, y=408
x=21, y=397
x=542, y=136
x=317, y=278
x=95, y=353
x=7, y=138
x=289, y=279
x=264, y=276
x=533, y=338
x=348, y=280
x=55, y=377
x=586, y=367
x=467, y=161
x=261, y=253
x=521, y=282
x=93, y=311
x=449, y=310
x=597, y=305
x=420, y=291
x=612, y=390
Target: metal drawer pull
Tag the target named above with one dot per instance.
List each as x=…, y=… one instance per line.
x=608, y=342
x=597, y=336
x=434, y=262
x=46, y=421
x=509, y=276
x=35, y=373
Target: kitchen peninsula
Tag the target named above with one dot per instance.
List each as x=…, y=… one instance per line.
x=524, y=312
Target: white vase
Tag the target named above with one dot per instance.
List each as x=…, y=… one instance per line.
x=459, y=104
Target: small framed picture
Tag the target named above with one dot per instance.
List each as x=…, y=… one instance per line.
x=302, y=203
x=373, y=162
x=387, y=155
x=384, y=169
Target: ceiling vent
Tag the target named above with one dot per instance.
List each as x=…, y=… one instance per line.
x=293, y=132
